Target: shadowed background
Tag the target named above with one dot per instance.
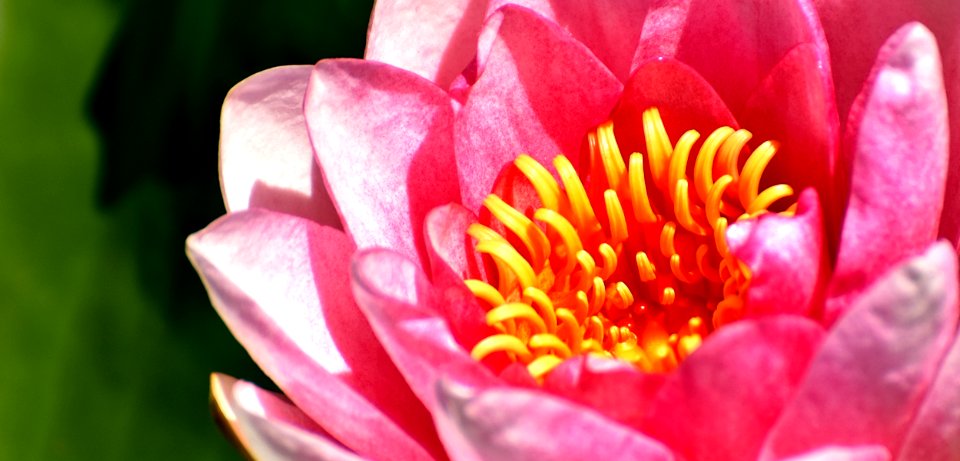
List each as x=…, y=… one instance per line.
x=109, y=119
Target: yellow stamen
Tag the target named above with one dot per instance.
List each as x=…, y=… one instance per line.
x=532, y=237
x=583, y=216
x=609, y=256
x=540, y=300
x=658, y=145
x=542, y=365
x=645, y=286
x=703, y=169
x=486, y=292
x=542, y=181
x=667, y=234
x=730, y=152
x=682, y=208
x=678, y=162
x=618, y=222
x=599, y=296
x=645, y=268
x=501, y=343
x=752, y=170
x=516, y=311
x=504, y=253
x=569, y=244
x=715, y=199
x=768, y=197
x=610, y=155
x=548, y=341
x=638, y=191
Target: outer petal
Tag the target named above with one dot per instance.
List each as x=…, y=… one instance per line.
x=935, y=433
x=613, y=388
x=610, y=28
x=538, y=92
x=867, y=381
x=685, y=100
x=433, y=38
x=280, y=283
x=448, y=242
x=385, y=168
x=265, y=156
x=897, y=143
x=786, y=257
x=856, y=32
x=723, y=399
x=860, y=453
x=732, y=43
x=950, y=220
x=403, y=309
x=453, y=260
x=504, y=423
x=267, y=426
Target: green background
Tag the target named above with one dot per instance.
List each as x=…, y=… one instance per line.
x=108, y=159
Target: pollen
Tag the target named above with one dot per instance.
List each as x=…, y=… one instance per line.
x=626, y=258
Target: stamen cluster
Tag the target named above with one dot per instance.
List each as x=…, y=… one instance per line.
x=623, y=259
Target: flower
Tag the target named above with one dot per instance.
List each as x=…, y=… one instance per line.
x=443, y=321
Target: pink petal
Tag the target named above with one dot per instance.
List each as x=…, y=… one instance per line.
x=935, y=433
x=613, y=388
x=859, y=453
x=686, y=102
x=794, y=106
x=267, y=426
x=724, y=398
x=867, y=381
x=232, y=396
x=448, y=243
x=855, y=33
x=506, y=423
x=514, y=188
x=662, y=31
x=516, y=374
x=280, y=284
x=385, y=168
x=897, y=149
x=610, y=28
x=786, y=257
x=403, y=309
x=538, y=92
x=950, y=219
x=265, y=156
x=433, y=38
x=452, y=260
x=732, y=43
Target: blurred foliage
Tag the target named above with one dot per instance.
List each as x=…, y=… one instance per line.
x=109, y=115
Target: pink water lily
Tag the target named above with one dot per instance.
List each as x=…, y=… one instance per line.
x=419, y=290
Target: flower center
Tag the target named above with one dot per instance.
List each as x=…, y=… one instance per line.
x=625, y=259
